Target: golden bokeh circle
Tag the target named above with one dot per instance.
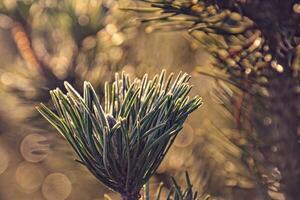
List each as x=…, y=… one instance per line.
x=29, y=177
x=186, y=137
x=34, y=148
x=56, y=186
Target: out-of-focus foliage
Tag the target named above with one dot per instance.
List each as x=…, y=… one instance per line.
x=53, y=41
x=63, y=40
x=256, y=46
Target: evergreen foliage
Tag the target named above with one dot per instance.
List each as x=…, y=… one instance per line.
x=256, y=46
x=123, y=142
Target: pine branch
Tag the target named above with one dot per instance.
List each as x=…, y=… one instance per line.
x=123, y=142
x=177, y=193
x=255, y=43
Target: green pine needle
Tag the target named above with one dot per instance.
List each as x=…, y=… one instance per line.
x=179, y=193
x=124, y=142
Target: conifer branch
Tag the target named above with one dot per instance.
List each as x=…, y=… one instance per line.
x=255, y=43
x=123, y=142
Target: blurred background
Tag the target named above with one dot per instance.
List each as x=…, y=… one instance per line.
x=45, y=42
